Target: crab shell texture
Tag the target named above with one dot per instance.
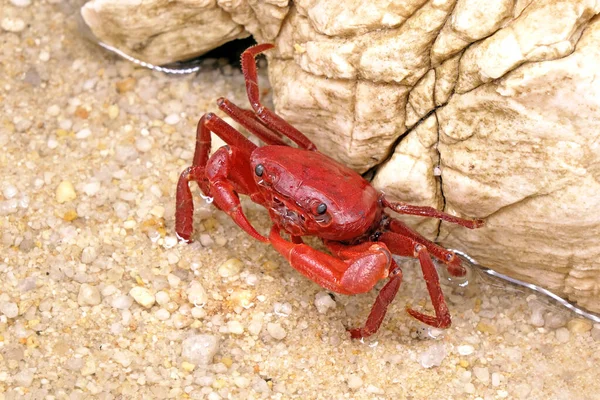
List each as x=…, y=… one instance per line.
x=484, y=109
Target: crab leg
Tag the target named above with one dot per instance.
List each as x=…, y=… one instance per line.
x=450, y=260
x=249, y=122
x=403, y=208
x=405, y=246
x=216, y=179
x=268, y=117
x=357, y=274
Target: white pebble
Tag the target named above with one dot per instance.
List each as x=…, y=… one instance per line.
x=483, y=374
x=354, y=382
x=235, y=327
x=122, y=302
x=53, y=111
x=172, y=119
x=88, y=295
x=324, y=302
x=276, y=330
x=562, y=335
x=230, y=268
x=65, y=192
x=162, y=314
x=200, y=349
x=44, y=56
x=196, y=294
x=12, y=24
x=241, y=381
x=11, y=310
x=142, y=296
x=465, y=350
x=9, y=192
x=433, y=356
x=21, y=3
x=162, y=297
x=206, y=240
x=496, y=379
x=83, y=134
x=143, y=144
x=88, y=255
x=91, y=188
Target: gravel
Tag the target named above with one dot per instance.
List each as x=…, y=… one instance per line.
x=99, y=300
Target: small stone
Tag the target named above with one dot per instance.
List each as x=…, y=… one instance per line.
x=113, y=111
x=88, y=255
x=354, y=382
x=241, y=381
x=122, y=302
x=230, y=268
x=482, y=373
x=91, y=188
x=84, y=133
x=11, y=310
x=553, y=321
x=162, y=298
x=497, y=379
x=276, y=330
x=24, y=378
x=142, y=296
x=88, y=295
x=200, y=349
x=70, y=215
x=562, y=335
x=324, y=302
x=65, y=192
x=162, y=314
x=172, y=119
x=126, y=85
x=579, y=325
x=188, y=367
x=9, y=191
x=433, y=356
x=53, y=110
x=465, y=349
x=21, y=3
x=196, y=294
x=143, y=144
x=12, y=24
x=235, y=327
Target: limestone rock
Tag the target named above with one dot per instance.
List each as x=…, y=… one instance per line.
x=161, y=31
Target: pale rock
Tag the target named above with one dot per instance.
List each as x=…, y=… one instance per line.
x=161, y=31
x=142, y=296
x=88, y=295
x=200, y=349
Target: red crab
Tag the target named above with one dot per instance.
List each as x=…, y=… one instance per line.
x=310, y=194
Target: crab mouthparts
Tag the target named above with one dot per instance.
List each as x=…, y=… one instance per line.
x=291, y=220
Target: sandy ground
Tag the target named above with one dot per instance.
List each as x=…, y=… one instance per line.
x=99, y=301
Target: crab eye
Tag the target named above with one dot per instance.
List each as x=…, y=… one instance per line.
x=259, y=170
x=321, y=208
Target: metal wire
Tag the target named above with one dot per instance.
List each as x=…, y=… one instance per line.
x=565, y=303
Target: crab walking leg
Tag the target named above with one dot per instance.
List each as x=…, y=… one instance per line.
x=384, y=298
x=356, y=275
x=268, y=117
x=403, y=208
x=249, y=122
x=450, y=260
x=405, y=246
x=212, y=177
